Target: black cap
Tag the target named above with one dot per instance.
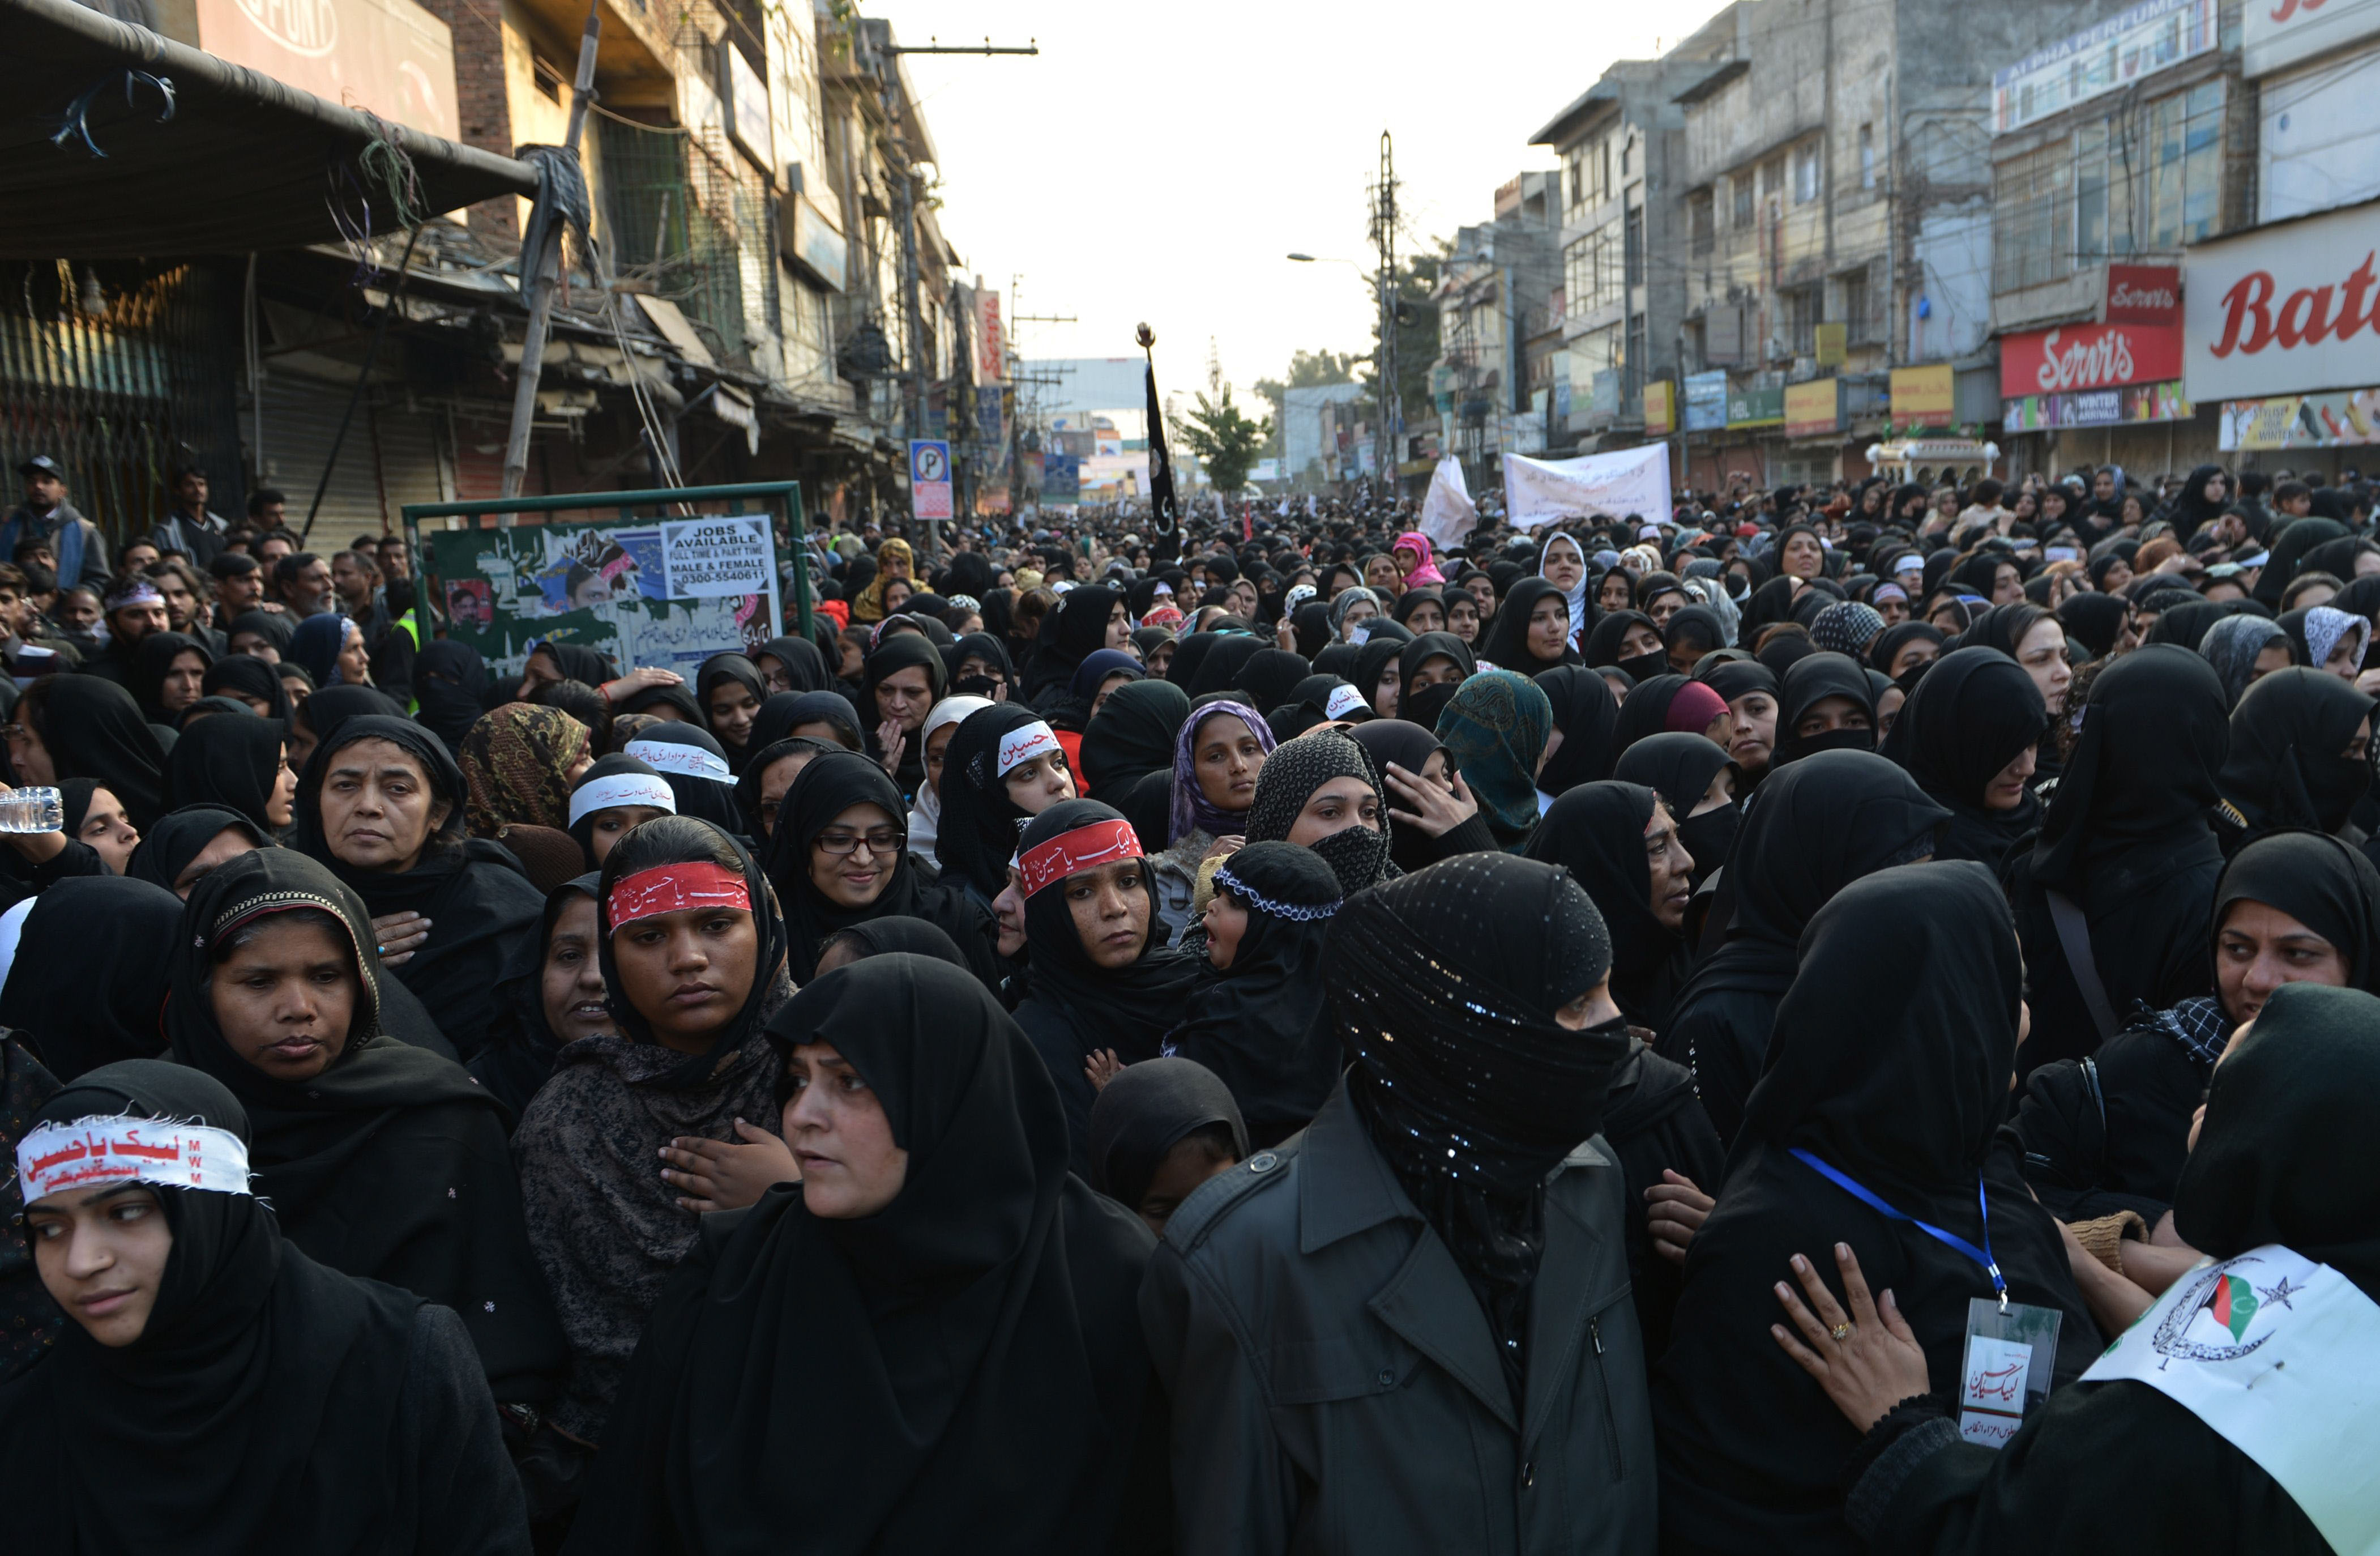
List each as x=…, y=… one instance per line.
x=40, y=465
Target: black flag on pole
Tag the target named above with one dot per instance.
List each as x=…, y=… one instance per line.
x=1167, y=506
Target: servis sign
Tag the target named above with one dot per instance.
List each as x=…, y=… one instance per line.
x=2079, y=356
x=2285, y=308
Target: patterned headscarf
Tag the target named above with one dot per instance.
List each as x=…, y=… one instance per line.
x=1847, y=628
x=516, y=767
x=868, y=608
x=1494, y=731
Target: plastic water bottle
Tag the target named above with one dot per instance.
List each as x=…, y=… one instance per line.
x=31, y=810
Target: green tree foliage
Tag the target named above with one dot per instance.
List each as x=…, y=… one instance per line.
x=1226, y=441
x=1416, y=311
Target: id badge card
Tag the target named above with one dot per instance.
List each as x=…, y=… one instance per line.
x=2006, y=1367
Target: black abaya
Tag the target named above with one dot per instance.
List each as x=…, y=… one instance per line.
x=1131, y=736
x=1596, y=832
x=87, y=986
x=1975, y=711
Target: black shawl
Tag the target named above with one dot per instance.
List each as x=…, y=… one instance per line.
x=150, y=662
x=1219, y=670
x=2127, y=838
x=1260, y=1023
x=1076, y=1007
x=472, y=890
x=1603, y=646
x=1898, y=1082
x=984, y=1383
x=390, y=1164
x=87, y=982
x=2287, y=765
x=518, y=1055
x=1596, y=832
x=93, y=730
x=328, y=711
x=267, y=1402
x=1272, y=675
x=803, y=666
x=1076, y=625
x=1975, y=711
x=167, y=848
x=1359, y=855
x=903, y=651
x=785, y=710
x=827, y=787
x=576, y=661
x=233, y=759
x=1680, y=767
x=1808, y=832
x=1131, y=737
x=1507, y=634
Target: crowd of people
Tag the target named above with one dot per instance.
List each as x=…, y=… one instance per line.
x=1827, y=1019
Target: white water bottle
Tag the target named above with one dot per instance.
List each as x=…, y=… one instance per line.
x=31, y=810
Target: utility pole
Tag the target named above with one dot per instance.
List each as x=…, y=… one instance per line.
x=1389, y=439
x=540, y=272
x=904, y=203
x=1020, y=379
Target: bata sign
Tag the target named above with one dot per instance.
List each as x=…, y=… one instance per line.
x=2077, y=357
x=2285, y=308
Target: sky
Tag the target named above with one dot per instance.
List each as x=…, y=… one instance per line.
x=1157, y=162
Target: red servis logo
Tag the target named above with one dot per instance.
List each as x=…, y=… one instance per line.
x=2308, y=316
x=2101, y=357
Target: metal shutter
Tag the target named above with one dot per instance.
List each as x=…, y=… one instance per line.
x=301, y=418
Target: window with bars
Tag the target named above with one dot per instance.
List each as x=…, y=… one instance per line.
x=1858, y=318
x=2032, y=218
x=1806, y=174
x=1806, y=309
x=1703, y=235
x=1632, y=248
x=1740, y=186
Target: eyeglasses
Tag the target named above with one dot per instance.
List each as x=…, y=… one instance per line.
x=879, y=841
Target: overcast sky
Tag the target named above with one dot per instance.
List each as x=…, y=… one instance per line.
x=1157, y=162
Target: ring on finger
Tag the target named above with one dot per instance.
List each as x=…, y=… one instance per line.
x=1841, y=1332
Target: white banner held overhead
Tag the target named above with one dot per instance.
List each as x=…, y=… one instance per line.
x=1634, y=480
x=1447, y=512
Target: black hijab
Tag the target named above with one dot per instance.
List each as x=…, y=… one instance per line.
x=1603, y=646
x=641, y=699
x=1409, y=746
x=786, y=712
x=1411, y=656
x=1590, y=722
x=327, y=711
x=260, y=1403
x=251, y=677
x=2095, y=620
x=1147, y=1110
x=471, y=889
x=1357, y=856
x=805, y=667
x=745, y=674
x=905, y=651
x=1259, y=1024
x=1219, y=670
x=1270, y=676
x=1975, y=711
x=1076, y=625
x=694, y=764
x=1131, y=737
x=450, y=681
x=827, y=787
x=360, y=1160
x=151, y=662
x=87, y=986
x=518, y=1056
x=1811, y=680
x=1679, y=768
x=578, y=663
x=1892, y=639
x=1506, y=647
x=2289, y=546
x=233, y=759
x=180, y=836
x=2286, y=766
x=987, y=1366
x=274, y=626
x=980, y=824
x=93, y=730
x=2321, y=882
x=1596, y=832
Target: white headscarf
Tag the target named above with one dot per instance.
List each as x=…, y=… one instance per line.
x=926, y=813
x=1576, y=596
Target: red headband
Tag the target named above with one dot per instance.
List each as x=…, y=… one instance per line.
x=674, y=888
x=1071, y=853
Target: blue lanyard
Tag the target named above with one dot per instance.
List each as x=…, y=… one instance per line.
x=1861, y=1192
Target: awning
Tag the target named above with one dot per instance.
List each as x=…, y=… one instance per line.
x=245, y=163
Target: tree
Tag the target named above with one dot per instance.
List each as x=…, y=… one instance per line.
x=1416, y=311
x=1226, y=440
x=1308, y=369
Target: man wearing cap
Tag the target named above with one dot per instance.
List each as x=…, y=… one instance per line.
x=190, y=529
x=135, y=609
x=46, y=515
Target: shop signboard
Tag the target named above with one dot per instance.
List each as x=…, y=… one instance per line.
x=1924, y=396
x=1755, y=408
x=1661, y=408
x=1705, y=401
x=2073, y=358
x=2274, y=34
x=2132, y=45
x=2347, y=418
x=2096, y=407
x=2283, y=308
x=1813, y=408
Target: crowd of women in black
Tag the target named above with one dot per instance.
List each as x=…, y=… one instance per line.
x=1690, y=1032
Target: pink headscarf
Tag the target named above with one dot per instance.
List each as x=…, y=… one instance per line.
x=1425, y=571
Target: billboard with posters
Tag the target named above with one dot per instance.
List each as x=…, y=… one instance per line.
x=669, y=593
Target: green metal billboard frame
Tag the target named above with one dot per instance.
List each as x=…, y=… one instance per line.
x=771, y=496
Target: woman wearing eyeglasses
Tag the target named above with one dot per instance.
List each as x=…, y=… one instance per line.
x=838, y=858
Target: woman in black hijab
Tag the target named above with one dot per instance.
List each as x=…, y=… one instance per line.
x=608, y=1145
x=1810, y=831
x=1967, y=736
x=982, y=816
x=1258, y=1022
x=987, y=1376
x=823, y=890
x=1103, y=979
x=1160, y=1130
x=394, y=837
x=1684, y=770
x=1614, y=635
x=1270, y=676
x=87, y=726
x=821, y=715
x=163, y=683
x=1599, y=833
x=905, y=653
x=2097, y=621
x=693, y=764
x=790, y=664
x=254, y=684
x=1529, y=635
x=728, y=690
x=275, y=1407
x=237, y=761
x=2262, y=1191
x=2297, y=755
x=380, y=1158
x=1079, y=625
x=1432, y=659
x=86, y=985
x=1828, y=704
x=1311, y=625
x=1587, y=719
x=1895, y=1084
x=1751, y=690
x=2289, y=546
x=1131, y=737
x=450, y=681
x=2127, y=841
x=176, y=846
x=1891, y=651
x=1321, y=792
x=1219, y=670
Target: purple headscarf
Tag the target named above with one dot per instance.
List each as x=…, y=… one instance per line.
x=1190, y=807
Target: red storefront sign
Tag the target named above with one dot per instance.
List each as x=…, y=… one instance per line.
x=2286, y=308
x=2143, y=294
x=2079, y=356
